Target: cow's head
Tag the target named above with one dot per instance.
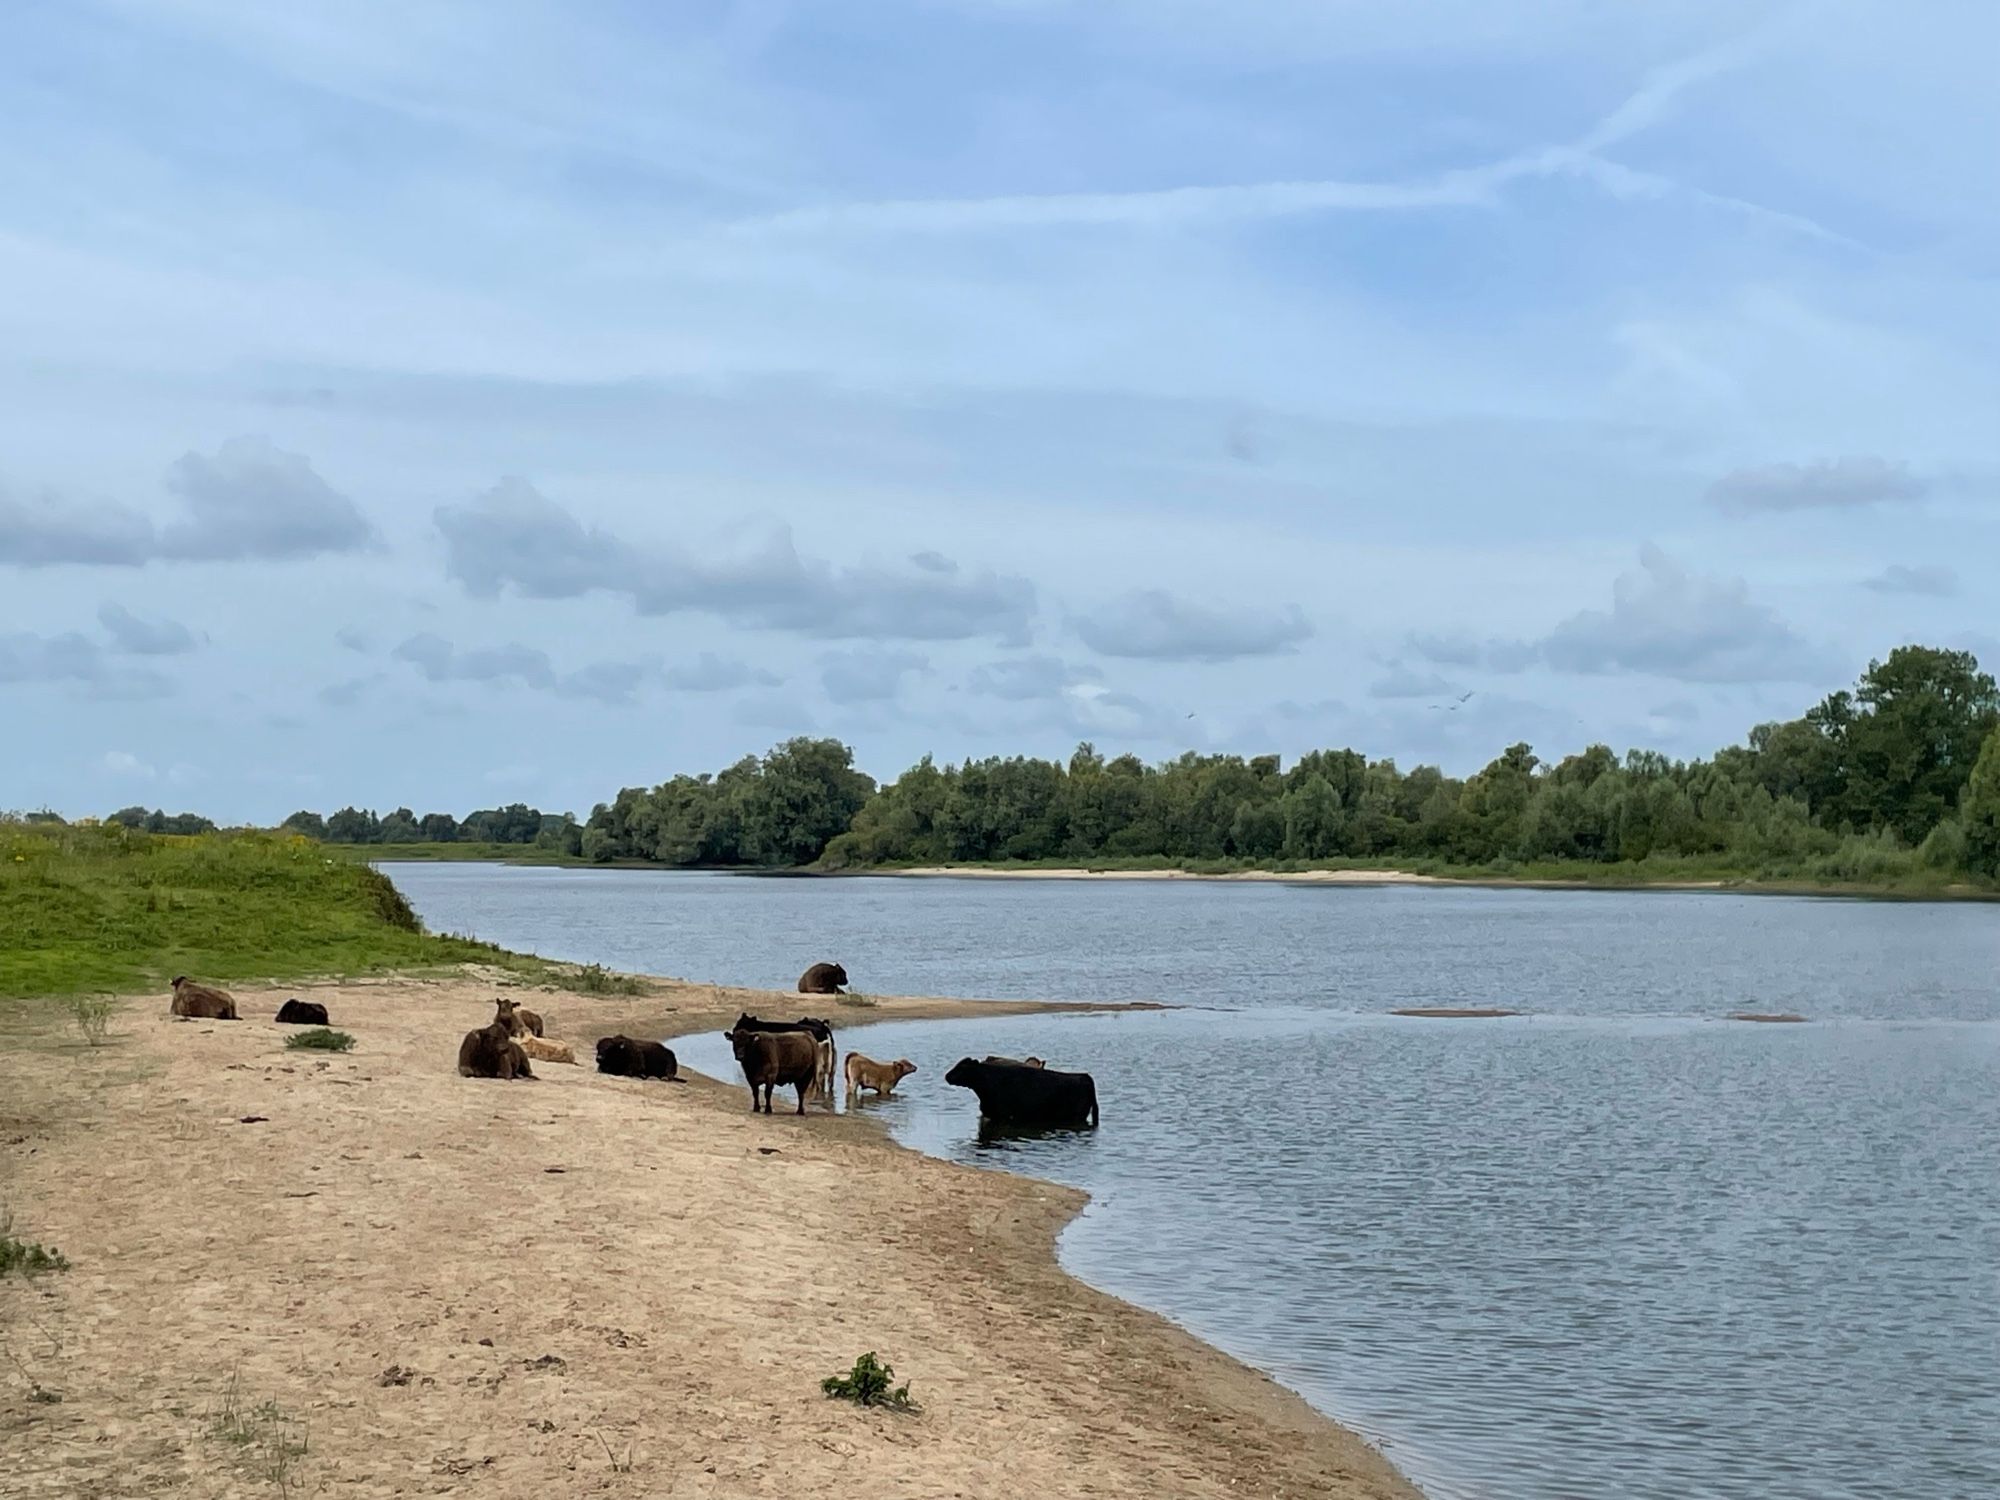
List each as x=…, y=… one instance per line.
x=902, y=1067
x=963, y=1072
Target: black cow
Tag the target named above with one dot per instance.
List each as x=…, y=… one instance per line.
x=1015, y=1094
x=628, y=1057
x=302, y=1013
x=776, y=1059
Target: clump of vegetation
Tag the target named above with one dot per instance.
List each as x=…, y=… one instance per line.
x=867, y=1384
x=272, y=1441
x=26, y=1257
x=595, y=979
x=92, y=1015
x=855, y=998
x=319, y=1039
x=96, y=908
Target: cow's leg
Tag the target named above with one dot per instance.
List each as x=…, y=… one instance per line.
x=803, y=1086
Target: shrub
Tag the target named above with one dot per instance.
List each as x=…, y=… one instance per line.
x=319, y=1039
x=856, y=998
x=595, y=979
x=92, y=1016
x=31, y=1259
x=867, y=1384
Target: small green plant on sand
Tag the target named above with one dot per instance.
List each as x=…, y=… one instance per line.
x=92, y=1015
x=27, y=1258
x=856, y=998
x=595, y=979
x=271, y=1440
x=867, y=1384
x=319, y=1039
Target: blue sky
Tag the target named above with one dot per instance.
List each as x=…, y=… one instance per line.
x=441, y=404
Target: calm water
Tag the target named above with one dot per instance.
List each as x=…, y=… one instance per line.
x=1614, y=1248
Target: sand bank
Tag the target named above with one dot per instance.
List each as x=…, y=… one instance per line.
x=1301, y=877
x=576, y=1286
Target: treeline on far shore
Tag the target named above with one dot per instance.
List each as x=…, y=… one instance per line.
x=1896, y=781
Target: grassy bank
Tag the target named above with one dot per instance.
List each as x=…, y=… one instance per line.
x=102, y=907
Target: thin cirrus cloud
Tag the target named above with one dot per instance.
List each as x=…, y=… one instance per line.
x=1025, y=679
x=1838, y=484
x=1401, y=681
x=1934, y=580
x=1664, y=621
x=246, y=501
x=513, y=537
x=1154, y=625
x=713, y=673
x=439, y=661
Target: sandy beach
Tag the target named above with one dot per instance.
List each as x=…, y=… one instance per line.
x=297, y=1273
x=1300, y=877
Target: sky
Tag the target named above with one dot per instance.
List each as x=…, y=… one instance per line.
x=441, y=405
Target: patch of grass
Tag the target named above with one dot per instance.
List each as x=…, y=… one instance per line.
x=595, y=979
x=99, y=908
x=91, y=1015
x=855, y=998
x=867, y=1384
x=24, y=1256
x=271, y=1441
x=319, y=1039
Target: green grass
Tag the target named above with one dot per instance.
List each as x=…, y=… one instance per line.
x=24, y=1257
x=96, y=908
x=867, y=1384
x=319, y=1039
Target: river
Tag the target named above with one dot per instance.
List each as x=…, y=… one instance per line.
x=1615, y=1247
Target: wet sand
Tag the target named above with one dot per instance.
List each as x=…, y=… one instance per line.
x=575, y=1286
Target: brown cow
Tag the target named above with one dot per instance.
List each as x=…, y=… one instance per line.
x=822, y=979
x=490, y=1052
x=1014, y=1062
x=775, y=1059
x=517, y=1018
x=866, y=1073
x=199, y=1002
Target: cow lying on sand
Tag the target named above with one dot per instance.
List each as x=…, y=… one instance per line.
x=542, y=1050
x=866, y=1073
x=1016, y=1094
x=302, y=1013
x=199, y=1002
x=627, y=1057
x=776, y=1059
x=822, y=979
x=1014, y=1062
x=819, y=1030
x=490, y=1052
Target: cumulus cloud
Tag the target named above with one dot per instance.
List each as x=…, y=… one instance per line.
x=354, y=639
x=1933, y=579
x=1402, y=682
x=440, y=661
x=710, y=673
x=867, y=676
x=1152, y=624
x=248, y=500
x=1667, y=622
x=1023, y=678
x=137, y=637
x=1841, y=483
x=513, y=537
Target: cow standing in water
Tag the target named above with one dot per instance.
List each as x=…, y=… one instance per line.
x=821, y=1031
x=1015, y=1094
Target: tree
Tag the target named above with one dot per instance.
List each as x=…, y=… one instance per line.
x=311, y=824
x=1911, y=744
x=1980, y=811
x=806, y=793
x=351, y=826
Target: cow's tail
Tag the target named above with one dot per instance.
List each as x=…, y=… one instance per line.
x=1093, y=1106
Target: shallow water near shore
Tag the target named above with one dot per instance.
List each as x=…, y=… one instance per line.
x=1615, y=1247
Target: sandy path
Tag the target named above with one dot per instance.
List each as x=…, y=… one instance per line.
x=652, y=1319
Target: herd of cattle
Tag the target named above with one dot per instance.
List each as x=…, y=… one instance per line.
x=797, y=1054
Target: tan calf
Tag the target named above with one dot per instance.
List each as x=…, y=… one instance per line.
x=866, y=1073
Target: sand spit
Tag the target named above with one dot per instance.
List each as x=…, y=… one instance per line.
x=574, y=1286
x=1455, y=1012
x=1301, y=877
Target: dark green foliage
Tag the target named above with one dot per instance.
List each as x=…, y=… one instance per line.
x=160, y=822
x=595, y=979
x=516, y=824
x=867, y=1384
x=320, y=1039
x=1980, y=835
x=29, y=1259
x=390, y=904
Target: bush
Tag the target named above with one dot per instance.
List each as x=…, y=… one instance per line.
x=31, y=1259
x=867, y=1384
x=319, y=1039
x=92, y=1015
x=595, y=979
